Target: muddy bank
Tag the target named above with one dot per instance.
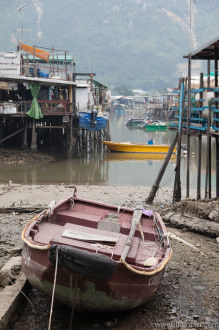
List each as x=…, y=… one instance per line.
x=188, y=268
x=14, y=157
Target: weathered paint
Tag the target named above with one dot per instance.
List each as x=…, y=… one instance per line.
x=91, y=295
x=129, y=285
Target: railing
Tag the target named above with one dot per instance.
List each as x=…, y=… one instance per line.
x=54, y=106
x=46, y=106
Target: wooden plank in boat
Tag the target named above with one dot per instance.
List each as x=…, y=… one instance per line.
x=114, y=250
x=89, y=237
x=110, y=251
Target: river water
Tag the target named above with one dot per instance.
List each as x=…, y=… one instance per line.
x=107, y=168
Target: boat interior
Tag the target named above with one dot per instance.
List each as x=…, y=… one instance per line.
x=96, y=228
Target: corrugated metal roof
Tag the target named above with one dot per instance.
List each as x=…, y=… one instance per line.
x=42, y=81
x=206, y=51
x=98, y=84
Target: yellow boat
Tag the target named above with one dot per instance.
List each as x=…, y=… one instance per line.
x=137, y=147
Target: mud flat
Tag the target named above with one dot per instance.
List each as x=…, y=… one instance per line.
x=192, y=269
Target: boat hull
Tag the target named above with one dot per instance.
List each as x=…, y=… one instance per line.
x=151, y=127
x=92, y=122
x=137, y=148
x=134, y=122
x=85, y=251
x=87, y=294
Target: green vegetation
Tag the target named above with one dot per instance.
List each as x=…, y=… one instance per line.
x=134, y=43
x=122, y=90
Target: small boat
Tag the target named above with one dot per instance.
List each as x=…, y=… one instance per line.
x=137, y=147
x=161, y=126
x=134, y=122
x=93, y=121
x=94, y=256
x=144, y=123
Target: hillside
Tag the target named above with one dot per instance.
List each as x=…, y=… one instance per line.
x=137, y=43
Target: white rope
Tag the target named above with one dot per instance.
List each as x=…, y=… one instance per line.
x=53, y=291
x=103, y=247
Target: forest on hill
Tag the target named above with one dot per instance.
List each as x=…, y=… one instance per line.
x=135, y=43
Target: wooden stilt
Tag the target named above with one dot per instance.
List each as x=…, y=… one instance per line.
x=155, y=186
x=208, y=156
x=70, y=138
x=24, y=144
x=217, y=166
x=200, y=144
x=1, y=133
x=209, y=168
x=206, y=169
x=34, y=136
x=199, y=166
x=11, y=135
x=188, y=127
x=177, y=182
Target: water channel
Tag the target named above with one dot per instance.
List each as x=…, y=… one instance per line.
x=107, y=168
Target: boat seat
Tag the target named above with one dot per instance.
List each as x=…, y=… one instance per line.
x=110, y=223
x=109, y=226
x=66, y=235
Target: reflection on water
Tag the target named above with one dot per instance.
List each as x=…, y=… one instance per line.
x=106, y=168
x=117, y=156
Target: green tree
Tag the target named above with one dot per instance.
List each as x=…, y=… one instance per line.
x=122, y=90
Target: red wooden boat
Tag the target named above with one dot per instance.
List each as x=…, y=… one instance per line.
x=96, y=256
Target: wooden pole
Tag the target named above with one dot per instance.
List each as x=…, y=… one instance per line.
x=217, y=166
x=216, y=138
x=34, y=136
x=188, y=124
x=12, y=134
x=208, y=156
x=207, y=166
x=1, y=130
x=155, y=186
x=70, y=98
x=70, y=142
x=208, y=130
x=200, y=145
x=177, y=182
x=199, y=165
x=24, y=146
